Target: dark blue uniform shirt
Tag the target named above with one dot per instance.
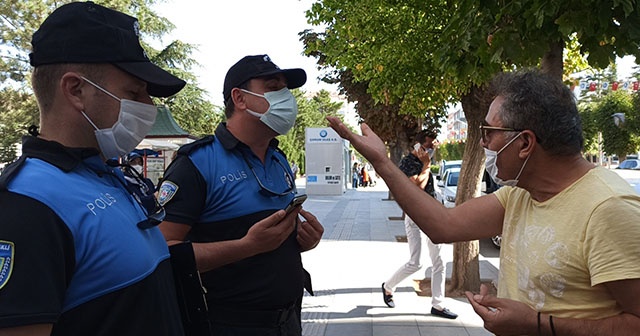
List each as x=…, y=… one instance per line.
x=211, y=187
x=77, y=258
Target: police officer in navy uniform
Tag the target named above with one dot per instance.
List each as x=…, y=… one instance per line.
x=224, y=193
x=78, y=254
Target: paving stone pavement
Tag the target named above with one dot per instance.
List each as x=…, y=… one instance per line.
x=359, y=250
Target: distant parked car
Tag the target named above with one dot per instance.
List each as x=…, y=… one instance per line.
x=448, y=186
x=629, y=164
x=444, y=165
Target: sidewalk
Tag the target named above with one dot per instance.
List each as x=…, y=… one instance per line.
x=357, y=253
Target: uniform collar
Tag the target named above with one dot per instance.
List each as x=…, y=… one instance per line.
x=54, y=153
x=229, y=141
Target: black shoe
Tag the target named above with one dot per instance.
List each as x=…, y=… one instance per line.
x=388, y=299
x=446, y=313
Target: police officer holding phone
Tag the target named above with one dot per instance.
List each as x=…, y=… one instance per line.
x=226, y=194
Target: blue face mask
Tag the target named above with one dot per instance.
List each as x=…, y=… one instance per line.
x=282, y=112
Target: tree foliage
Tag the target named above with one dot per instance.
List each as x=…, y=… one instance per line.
x=388, y=44
x=376, y=49
x=590, y=127
x=19, y=19
x=450, y=150
x=528, y=33
x=622, y=139
x=18, y=113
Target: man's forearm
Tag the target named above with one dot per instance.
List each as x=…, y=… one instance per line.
x=216, y=254
x=423, y=178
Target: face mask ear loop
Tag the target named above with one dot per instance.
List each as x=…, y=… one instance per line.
x=89, y=120
x=523, y=165
x=100, y=88
x=258, y=95
x=253, y=93
x=508, y=143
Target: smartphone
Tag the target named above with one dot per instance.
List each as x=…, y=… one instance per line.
x=297, y=200
x=428, y=150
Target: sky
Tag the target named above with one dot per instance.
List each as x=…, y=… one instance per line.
x=225, y=31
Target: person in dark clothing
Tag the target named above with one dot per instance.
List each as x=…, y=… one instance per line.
x=225, y=194
x=78, y=254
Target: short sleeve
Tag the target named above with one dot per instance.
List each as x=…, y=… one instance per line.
x=38, y=261
x=183, y=191
x=410, y=165
x=503, y=195
x=611, y=240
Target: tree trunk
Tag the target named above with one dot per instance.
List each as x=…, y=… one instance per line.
x=551, y=62
x=466, y=272
x=397, y=149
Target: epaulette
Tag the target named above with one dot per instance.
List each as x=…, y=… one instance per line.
x=10, y=171
x=278, y=150
x=190, y=147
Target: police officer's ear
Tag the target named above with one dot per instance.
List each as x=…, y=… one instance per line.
x=238, y=97
x=74, y=89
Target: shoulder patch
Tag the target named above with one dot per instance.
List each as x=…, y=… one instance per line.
x=167, y=190
x=7, y=250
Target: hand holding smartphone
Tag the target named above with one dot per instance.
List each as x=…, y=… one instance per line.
x=428, y=150
x=297, y=200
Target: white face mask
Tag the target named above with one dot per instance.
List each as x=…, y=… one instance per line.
x=282, y=112
x=134, y=123
x=490, y=163
x=137, y=168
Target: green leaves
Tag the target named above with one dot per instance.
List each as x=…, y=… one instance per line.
x=19, y=111
x=597, y=117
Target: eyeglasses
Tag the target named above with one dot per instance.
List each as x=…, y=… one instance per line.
x=141, y=193
x=486, y=130
x=268, y=192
